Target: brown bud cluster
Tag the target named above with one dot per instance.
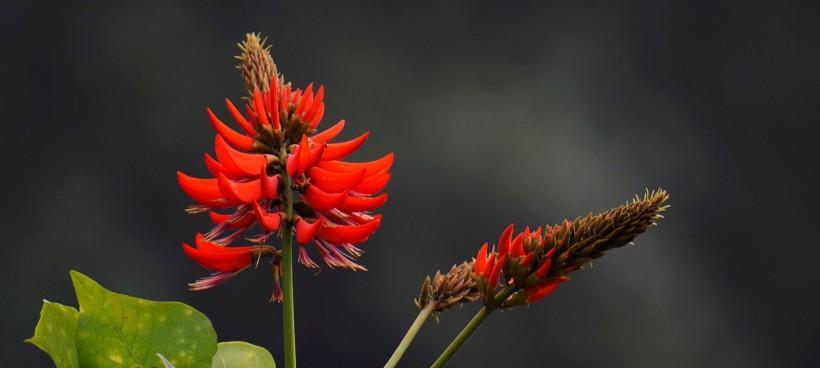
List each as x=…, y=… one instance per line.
x=580, y=241
x=256, y=63
x=450, y=289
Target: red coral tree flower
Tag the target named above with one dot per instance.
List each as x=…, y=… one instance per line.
x=279, y=145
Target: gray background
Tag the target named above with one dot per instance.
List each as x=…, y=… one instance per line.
x=521, y=112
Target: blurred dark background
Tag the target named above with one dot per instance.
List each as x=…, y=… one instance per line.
x=524, y=112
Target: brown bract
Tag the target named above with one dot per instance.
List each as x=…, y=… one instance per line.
x=447, y=290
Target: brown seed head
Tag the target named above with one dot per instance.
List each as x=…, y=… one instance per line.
x=256, y=63
x=450, y=289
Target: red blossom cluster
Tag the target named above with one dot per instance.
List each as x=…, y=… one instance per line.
x=526, y=262
x=279, y=148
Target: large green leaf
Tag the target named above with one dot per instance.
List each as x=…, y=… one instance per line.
x=56, y=334
x=237, y=354
x=117, y=330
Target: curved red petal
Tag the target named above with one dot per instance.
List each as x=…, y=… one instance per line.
x=328, y=133
x=237, y=163
x=349, y=233
x=233, y=137
x=488, y=268
x=480, y=260
x=270, y=185
x=245, y=221
x=321, y=200
x=247, y=192
x=317, y=118
x=357, y=204
x=372, y=167
x=496, y=272
x=314, y=105
x=544, y=269
x=231, y=260
x=202, y=191
x=213, y=166
x=373, y=184
x=269, y=221
x=335, y=151
x=504, y=240
x=304, y=154
x=244, y=123
x=292, y=163
x=332, y=182
x=316, y=155
x=259, y=106
x=306, y=231
x=517, y=246
x=273, y=103
x=536, y=293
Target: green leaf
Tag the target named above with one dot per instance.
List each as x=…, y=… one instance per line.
x=119, y=330
x=238, y=354
x=56, y=334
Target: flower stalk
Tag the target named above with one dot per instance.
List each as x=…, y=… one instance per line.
x=424, y=314
x=288, y=320
x=470, y=328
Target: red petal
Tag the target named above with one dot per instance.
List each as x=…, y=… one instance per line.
x=321, y=200
x=517, y=246
x=504, y=240
x=480, y=260
x=317, y=118
x=494, y=275
x=304, y=154
x=247, y=192
x=269, y=221
x=306, y=99
x=335, y=151
x=544, y=269
x=237, y=163
x=272, y=101
x=214, y=167
x=270, y=185
x=357, y=204
x=203, y=191
x=329, y=133
x=536, y=293
x=305, y=231
x=244, y=123
x=230, y=260
x=292, y=163
x=332, y=182
x=315, y=155
x=246, y=220
x=349, y=233
x=372, y=167
x=488, y=268
x=259, y=106
x=373, y=184
x=233, y=137
x=314, y=106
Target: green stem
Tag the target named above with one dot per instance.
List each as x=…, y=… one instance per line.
x=470, y=328
x=288, y=326
x=410, y=335
x=462, y=337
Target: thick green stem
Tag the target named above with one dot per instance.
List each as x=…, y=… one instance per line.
x=288, y=326
x=410, y=335
x=470, y=328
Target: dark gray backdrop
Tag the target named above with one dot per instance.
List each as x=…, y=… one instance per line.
x=515, y=112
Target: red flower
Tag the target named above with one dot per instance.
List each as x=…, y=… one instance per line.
x=525, y=262
x=279, y=136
